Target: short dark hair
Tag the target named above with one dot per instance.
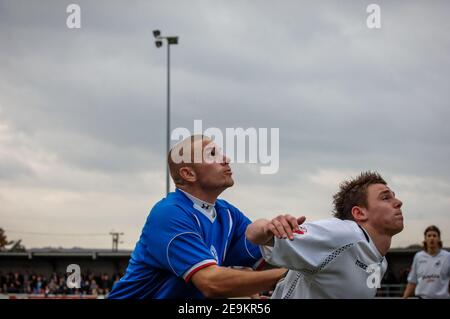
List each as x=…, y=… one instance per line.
x=354, y=193
x=432, y=228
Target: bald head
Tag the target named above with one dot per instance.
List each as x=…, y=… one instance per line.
x=199, y=166
x=185, y=154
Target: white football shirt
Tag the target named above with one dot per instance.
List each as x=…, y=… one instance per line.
x=431, y=274
x=330, y=258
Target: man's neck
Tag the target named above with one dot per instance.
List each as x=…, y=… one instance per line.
x=381, y=241
x=209, y=196
x=432, y=251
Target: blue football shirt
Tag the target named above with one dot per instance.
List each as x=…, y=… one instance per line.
x=182, y=235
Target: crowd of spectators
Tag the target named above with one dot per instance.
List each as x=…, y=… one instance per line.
x=56, y=284
x=92, y=284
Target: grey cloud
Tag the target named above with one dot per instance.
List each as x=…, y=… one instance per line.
x=346, y=98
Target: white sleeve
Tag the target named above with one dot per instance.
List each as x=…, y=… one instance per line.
x=448, y=265
x=412, y=276
x=314, y=246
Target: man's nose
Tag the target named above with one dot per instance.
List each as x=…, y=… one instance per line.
x=226, y=160
x=398, y=203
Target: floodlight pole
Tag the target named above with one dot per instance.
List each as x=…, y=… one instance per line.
x=168, y=120
x=170, y=41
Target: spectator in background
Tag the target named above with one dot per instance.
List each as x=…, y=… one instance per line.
x=94, y=287
x=104, y=285
x=430, y=272
x=52, y=286
x=37, y=289
x=62, y=287
x=12, y=289
x=85, y=286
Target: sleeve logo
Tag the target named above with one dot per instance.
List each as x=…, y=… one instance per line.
x=301, y=230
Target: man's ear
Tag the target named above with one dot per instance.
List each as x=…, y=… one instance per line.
x=187, y=174
x=359, y=214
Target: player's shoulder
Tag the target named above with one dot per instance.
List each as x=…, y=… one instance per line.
x=335, y=225
x=446, y=256
x=420, y=253
x=171, y=207
x=336, y=229
x=444, y=253
x=233, y=210
x=225, y=204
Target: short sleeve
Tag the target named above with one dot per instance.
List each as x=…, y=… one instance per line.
x=241, y=252
x=412, y=276
x=313, y=244
x=448, y=265
x=174, y=243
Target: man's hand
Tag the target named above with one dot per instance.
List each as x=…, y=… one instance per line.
x=262, y=231
x=283, y=226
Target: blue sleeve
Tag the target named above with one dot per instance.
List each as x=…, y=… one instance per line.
x=174, y=243
x=241, y=252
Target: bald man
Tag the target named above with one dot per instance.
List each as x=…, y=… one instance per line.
x=191, y=238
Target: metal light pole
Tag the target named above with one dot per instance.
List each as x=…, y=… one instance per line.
x=159, y=43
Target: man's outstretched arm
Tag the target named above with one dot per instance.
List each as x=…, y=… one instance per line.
x=262, y=231
x=221, y=282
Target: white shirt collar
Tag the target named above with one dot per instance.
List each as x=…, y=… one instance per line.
x=431, y=256
x=204, y=207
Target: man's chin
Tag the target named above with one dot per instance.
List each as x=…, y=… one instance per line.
x=229, y=183
x=399, y=229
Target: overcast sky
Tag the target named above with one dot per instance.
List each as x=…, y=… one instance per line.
x=83, y=111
